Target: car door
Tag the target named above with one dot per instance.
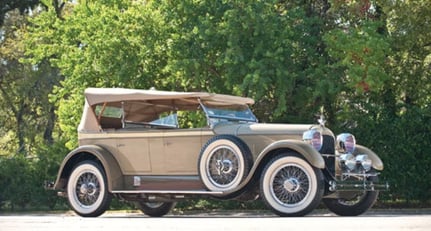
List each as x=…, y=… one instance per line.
x=182, y=148
x=141, y=152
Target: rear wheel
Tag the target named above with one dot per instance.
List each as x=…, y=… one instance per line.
x=156, y=209
x=87, y=190
x=290, y=186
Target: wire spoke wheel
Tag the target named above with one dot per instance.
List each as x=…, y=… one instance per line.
x=223, y=166
x=86, y=189
x=224, y=163
x=290, y=186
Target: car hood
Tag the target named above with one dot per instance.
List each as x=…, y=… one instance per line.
x=262, y=129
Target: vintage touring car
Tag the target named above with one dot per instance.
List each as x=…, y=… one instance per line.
x=158, y=147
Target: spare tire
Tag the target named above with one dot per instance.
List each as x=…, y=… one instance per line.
x=224, y=162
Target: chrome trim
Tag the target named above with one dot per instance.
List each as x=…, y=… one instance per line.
x=311, y=136
x=346, y=143
x=357, y=185
x=360, y=174
x=329, y=155
x=168, y=192
x=322, y=120
x=151, y=178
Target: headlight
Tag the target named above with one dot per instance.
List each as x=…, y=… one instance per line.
x=313, y=137
x=346, y=143
x=364, y=161
x=348, y=161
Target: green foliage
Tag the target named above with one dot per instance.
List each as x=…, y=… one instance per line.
x=24, y=89
x=99, y=45
x=362, y=52
x=258, y=49
x=408, y=24
x=403, y=142
x=22, y=178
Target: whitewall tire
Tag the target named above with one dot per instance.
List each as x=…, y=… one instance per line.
x=290, y=186
x=224, y=163
x=87, y=190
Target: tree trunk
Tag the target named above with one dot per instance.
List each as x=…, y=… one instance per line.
x=47, y=135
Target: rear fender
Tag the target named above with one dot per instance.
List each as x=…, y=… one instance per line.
x=90, y=152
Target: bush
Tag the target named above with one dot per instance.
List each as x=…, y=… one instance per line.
x=22, y=179
x=404, y=144
x=16, y=179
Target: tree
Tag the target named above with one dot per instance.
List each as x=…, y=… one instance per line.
x=268, y=50
x=98, y=44
x=265, y=50
x=409, y=25
x=406, y=114
x=23, y=6
x=388, y=108
x=24, y=90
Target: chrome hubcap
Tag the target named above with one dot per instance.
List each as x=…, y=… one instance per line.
x=223, y=166
x=87, y=189
x=291, y=185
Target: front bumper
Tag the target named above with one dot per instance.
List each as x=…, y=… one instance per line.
x=357, y=186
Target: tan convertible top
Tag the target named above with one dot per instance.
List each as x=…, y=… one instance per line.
x=102, y=95
x=141, y=105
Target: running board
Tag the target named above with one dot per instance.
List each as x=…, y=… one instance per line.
x=202, y=192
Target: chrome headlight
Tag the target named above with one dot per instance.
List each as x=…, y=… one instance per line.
x=364, y=161
x=348, y=161
x=346, y=143
x=352, y=163
x=313, y=137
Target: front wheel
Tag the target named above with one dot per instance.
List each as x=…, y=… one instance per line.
x=290, y=186
x=156, y=209
x=354, y=206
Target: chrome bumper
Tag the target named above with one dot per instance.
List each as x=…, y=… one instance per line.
x=357, y=186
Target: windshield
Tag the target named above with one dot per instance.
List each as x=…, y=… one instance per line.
x=225, y=113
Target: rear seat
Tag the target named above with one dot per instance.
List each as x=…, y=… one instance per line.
x=110, y=122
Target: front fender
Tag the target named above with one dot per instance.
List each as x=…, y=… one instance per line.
x=90, y=152
x=306, y=150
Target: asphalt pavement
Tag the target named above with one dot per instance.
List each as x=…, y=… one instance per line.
x=381, y=220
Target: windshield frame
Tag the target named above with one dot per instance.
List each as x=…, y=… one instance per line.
x=214, y=118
